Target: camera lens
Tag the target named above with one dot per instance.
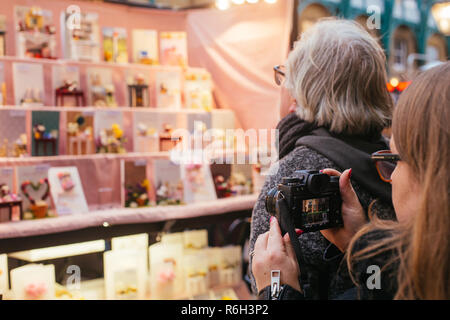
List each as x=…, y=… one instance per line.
x=271, y=200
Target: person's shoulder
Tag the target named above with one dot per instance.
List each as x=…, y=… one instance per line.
x=306, y=158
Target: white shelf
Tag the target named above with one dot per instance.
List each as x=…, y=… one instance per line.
x=120, y=216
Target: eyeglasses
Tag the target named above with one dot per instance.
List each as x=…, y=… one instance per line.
x=385, y=162
x=279, y=74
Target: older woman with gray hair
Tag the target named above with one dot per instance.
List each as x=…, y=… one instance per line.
x=337, y=78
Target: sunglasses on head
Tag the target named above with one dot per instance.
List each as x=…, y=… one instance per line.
x=385, y=162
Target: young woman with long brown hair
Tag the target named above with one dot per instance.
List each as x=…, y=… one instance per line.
x=413, y=253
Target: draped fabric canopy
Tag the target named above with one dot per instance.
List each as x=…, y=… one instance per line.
x=240, y=47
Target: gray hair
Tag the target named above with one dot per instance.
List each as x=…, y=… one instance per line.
x=337, y=74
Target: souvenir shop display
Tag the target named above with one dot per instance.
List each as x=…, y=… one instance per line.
x=198, y=184
x=67, y=191
x=81, y=36
x=101, y=89
x=146, y=139
x=33, y=282
x=168, y=89
x=111, y=140
x=167, y=139
x=2, y=85
x=2, y=35
x=166, y=271
x=167, y=182
x=137, y=185
x=230, y=268
x=4, y=279
x=115, y=45
x=9, y=199
x=35, y=33
x=45, y=133
x=35, y=191
x=173, y=48
x=28, y=84
x=195, y=265
x=145, y=46
x=198, y=89
x=80, y=133
x=66, y=83
x=13, y=128
x=138, y=91
x=125, y=274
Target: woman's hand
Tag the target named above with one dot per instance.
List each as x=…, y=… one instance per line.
x=274, y=252
x=352, y=212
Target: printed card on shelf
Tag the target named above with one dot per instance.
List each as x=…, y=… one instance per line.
x=101, y=90
x=115, y=45
x=230, y=269
x=198, y=184
x=33, y=282
x=136, y=184
x=168, y=89
x=28, y=79
x=2, y=84
x=195, y=239
x=80, y=132
x=4, y=282
x=65, y=78
x=45, y=133
x=166, y=271
x=135, y=241
x=145, y=46
x=145, y=132
x=214, y=261
x=125, y=274
x=35, y=33
x=138, y=88
x=195, y=265
x=81, y=36
x=34, y=190
x=198, y=89
x=67, y=191
x=2, y=35
x=173, y=238
x=8, y=194
x=167, y=182
x=109, y=133
x=13, y=130
x=174, y=48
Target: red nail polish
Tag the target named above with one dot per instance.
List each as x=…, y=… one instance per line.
x=321, y=171
x=298, y=232
x=350, y=173
x=271, y=218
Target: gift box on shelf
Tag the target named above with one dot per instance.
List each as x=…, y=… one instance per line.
x=80, y=133
x=66, y=80
x=13, y=128
x=115, y=45
x=45, y=133
x=9, y=199
x=173, y=47
x=33, y=282
x=81, y=41
x=138, y=91
x=101, y=90
x=35, y=33
x=145, y=46
x=28, y=81
x=137, y=187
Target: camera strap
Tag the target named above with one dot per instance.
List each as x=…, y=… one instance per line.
x=287, y=226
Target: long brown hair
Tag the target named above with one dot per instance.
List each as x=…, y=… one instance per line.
x=422, y=136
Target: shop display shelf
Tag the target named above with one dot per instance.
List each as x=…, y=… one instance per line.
x=108, y=223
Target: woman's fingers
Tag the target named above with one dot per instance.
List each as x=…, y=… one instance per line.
x=261, y=242
x=347, y=193
x=331, y=172
x=275, y=241
x=288, y=245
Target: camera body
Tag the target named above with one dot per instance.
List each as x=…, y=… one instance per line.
x=312, y=198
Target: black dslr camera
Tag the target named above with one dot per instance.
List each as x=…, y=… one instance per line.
x=311, y=199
